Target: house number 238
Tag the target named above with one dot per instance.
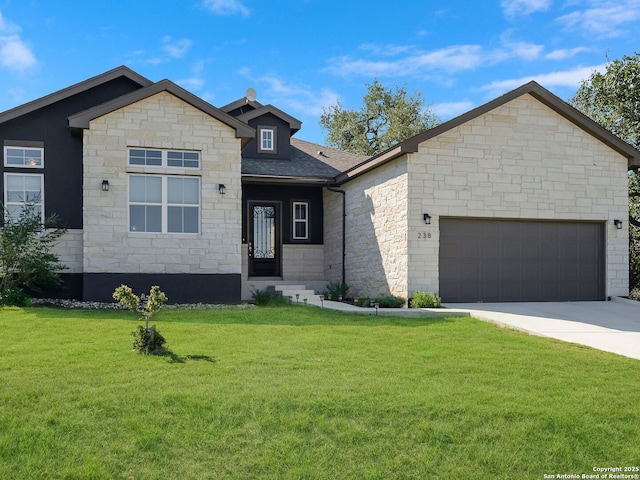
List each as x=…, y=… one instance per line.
x=424, y=235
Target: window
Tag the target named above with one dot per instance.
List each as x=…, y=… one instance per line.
x=23, y=157
x=267, y=139
x=300, y=221
x=164, y=204
x=164, y=158
x=23, y=191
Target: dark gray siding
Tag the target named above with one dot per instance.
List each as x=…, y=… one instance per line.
x=286, y=195
x=283, y=141
x=63, y=151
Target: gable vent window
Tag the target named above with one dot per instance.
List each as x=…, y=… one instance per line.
x=164, y=158
x=300, y=221
x=267, y=139
x=24, y=157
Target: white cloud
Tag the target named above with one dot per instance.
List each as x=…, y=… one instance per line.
x=196, y=81
x=15, y=55
x=448, y=110
x=566, y=78
x=299, y=99
x=226, y=7
x=563, y=54
x=177, y=49
x=451, y=59
x=448, y=60
x=603, y=19
x=514, y=8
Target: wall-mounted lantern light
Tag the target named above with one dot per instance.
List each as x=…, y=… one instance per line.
x=105, y=185
x=222, y=189
x=427, y=219
x=618, y=224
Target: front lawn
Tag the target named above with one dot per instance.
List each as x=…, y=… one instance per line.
x=299, y=392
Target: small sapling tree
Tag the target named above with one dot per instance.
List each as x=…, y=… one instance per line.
x=146, y=339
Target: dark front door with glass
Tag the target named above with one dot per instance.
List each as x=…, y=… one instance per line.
x=264, y=239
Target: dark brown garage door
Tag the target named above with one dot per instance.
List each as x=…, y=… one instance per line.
x=520, y=261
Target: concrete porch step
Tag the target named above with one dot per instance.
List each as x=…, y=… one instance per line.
x=300, y=290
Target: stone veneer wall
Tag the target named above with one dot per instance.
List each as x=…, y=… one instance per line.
x=376, y=232
x=165, y=122
x=519, y=161
x=332, y=227
x=69, y=251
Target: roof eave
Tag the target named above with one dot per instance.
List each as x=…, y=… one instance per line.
x=251, y=178
x=534, y=89
x=73, y=90
x=82, y=120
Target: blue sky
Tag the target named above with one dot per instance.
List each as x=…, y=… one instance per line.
x=303, y=56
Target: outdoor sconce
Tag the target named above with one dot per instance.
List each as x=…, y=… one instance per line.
x=222, y=189
x=618, y=224
x=105, y=185
x=427, y=219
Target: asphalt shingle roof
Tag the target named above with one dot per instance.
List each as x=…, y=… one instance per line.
x=308, y=160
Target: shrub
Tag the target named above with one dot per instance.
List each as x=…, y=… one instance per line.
x=146, y=339
x=634, y=294
x=388, y=301
x=363, y=302
x=425, y=300
x=14, y=297
x=335, y=290
x=263, y=298
x=383, y=301
x=26, y=250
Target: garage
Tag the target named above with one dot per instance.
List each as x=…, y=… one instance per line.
x=490, y=260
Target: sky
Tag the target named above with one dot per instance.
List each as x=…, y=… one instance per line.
x=304, y=56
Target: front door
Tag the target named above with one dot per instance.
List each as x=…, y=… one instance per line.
x=264, y=239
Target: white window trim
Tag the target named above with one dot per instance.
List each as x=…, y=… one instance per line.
x=164, y=205
x=21, y=147
x=164, y=162
x=41, y=202
x=261, y=147
x=299, y=220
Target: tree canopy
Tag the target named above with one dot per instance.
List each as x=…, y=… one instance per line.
x=612, y=99
x=387, y=117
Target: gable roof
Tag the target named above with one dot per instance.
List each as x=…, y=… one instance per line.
x=81, y=120
x=532, y=88
x=67, y=92
x=241, y=102
x=294, y=123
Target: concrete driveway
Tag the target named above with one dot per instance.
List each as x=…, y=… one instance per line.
x=612, y=326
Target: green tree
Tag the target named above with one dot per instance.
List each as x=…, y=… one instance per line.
x=26, y=256
x=386, y=118
x=612, y=99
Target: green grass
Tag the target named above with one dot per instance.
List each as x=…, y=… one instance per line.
x=291, y=393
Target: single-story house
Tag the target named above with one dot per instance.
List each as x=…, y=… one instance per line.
x=521, y=199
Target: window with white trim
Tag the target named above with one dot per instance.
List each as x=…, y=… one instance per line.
x=23, y=157
x=23, y=191
x=300, y=221
x=267, y=139
x=164, y=204
x=164, y=158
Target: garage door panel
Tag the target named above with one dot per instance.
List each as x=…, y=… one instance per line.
x=512, y=260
